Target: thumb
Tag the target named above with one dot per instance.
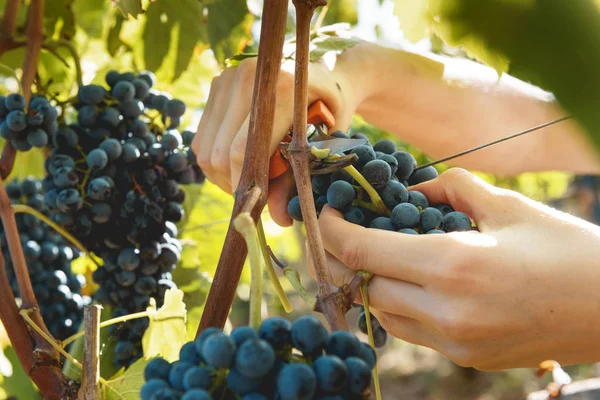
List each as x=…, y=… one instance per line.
x=486, y=204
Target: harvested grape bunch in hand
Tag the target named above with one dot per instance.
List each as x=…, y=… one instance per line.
x=390, y=172
x=27, y=126
x=282, y=360
x=48, y=256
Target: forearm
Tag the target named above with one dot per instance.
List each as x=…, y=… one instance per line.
x=468, y=108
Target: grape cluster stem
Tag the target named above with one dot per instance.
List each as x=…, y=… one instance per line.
x=90, y=379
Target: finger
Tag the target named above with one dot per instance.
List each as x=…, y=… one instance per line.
x=407, y=329
x=467, y=193
x=385, y=294
x=237, y=153
x=411, y=258
x=281, y=190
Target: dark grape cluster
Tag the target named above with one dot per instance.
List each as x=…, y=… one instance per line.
x=27, y=126
x=114, y=176
x=283, y=360
x=390, y=172
x=48, y=256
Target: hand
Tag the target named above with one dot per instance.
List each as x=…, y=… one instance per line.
x=220, y=142
x=522, y=290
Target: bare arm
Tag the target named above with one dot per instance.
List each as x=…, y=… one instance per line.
x=468, y=108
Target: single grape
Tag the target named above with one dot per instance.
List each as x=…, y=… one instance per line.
x=393, y=194
x=189, y=354
x=100, y=189
x=368, y=355
x=177, y=373
x=65, y=177
x=151, y=387
x=157, y=368
x=423, y=175
x=359, y=375
x=123, y=91
x=15, y=101
x=435, y=231
x=340, y=195
x=456, y=221
x=241, y=384
x=309, y=335
x=379, y=337
x=142, y=88
x=385, y=146
x=175, y=108
x=341, y=175
x=339, y=134
x=431, y=218
x=444, y=208
x=145, y=285
x=87, y=115
x=296, y=381
x=65, y=138
x=391, y=161
x=37, y=137
x=320, y=203
x=159, y=102
x=218, y=350
x=97, y=159
x=405, y=215
x=355, y=215
x=171, y=140
x=130, y=153
x=408, y=231
x=293, y=208
x=112, y=148
x=243, y=333
x=16, y=120
x=187, y=137
x=7, y=133
x=131, y=109
x=125, y=278
x=320, y=183
x=342, y=344
x=20, y=144
x=32, y=250
x=384, y=223
x=177, y=162
x=358, y=135
x=109, y=118
x=112, y=77
x=200, y=377
x=69, y=200
x=254, y=358
x=418, y=199
x=129, y=259
x=331, y=372
x=365, y=154
x=276, y=331
x=148, y=77
x=377, y=173
x=406, y=164
x=91, y=94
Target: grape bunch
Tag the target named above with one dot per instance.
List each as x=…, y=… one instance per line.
x=283, y=360
x=27, y=127
x=48, y=257
x=390, y=172
x=114, y=176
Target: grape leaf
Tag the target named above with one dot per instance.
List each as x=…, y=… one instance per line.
x=157, y=35
x=130, y=7
x=166, y=332
x=238, y=58
x=342, y=11
x=113, y=41
x=56, y=11
x=554, y=44
x=229, y=24
x=320, y=46
x=413, y=18
x=91, y=16
x=126, y=385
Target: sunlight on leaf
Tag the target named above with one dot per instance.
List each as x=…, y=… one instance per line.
x=166, y=332
x=126, y=385
x=130, y=7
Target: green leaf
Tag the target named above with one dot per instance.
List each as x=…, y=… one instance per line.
x=18, y=384
x=413, y=18
x=59, y=21
x=166, y=332
x=555, y=44
x=127, y=385
x=157, y=35
x=130, y=7
x=229, y=24
x=237, y=59
x=90, y=16
x=342, y=11
x=331, y=43
x=113, y=41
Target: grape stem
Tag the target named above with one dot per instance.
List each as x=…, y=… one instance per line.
x=253, y=184
x=364, y=292
x=245, y=225
x=8, y=25
x=299, y=157
x=90, y=381
x=22, y=208
x=285, y=302
x=294, y=278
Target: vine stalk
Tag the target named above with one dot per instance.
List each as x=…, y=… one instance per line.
x=251, y=193
x=330, y=303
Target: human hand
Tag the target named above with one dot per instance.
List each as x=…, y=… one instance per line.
x=220, y=142
x=521, y=290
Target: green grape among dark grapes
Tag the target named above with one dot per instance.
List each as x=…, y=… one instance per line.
x=281, y=360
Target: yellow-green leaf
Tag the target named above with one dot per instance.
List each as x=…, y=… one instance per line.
x=126, y=385
x=166, y=332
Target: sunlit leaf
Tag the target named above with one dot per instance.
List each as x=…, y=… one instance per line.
x=229, y=24
x=331, y=43
x=90, y=16
x=413, y=18
x=18, y=383
x=59, y=20
x=157, y=35
x=166, y=332
x=126, y=385
x=113, y=41
x=342, y=11
x=130, y=7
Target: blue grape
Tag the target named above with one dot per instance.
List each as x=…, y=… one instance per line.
x=339, y=134
x=187, y=137
x=296, y=381
x=276, y=331
x=99, y=189
x=124, y=349
x=456, y=221
x=431, y=218
x=434, y=231
x=142, y=88
x=15, y=101
x=34, y=117
x=196, y=394
x=340, y=195
x=37, y=137
x=112, y=148
x=385, y=146
x=148, y=77
x=198, y=378
x=159, y=102
x=405, y=215
x=130, y=153
x=97, y=159
x=20, y=144
x=408, y=231
x=87, y=116
x=444, y=208
x=393, y=194
x=123, y=91
x=406, y=164
x=342, y=344
x=241, y=384
x=377, y=173
x=166, y=394
x=189, y=354
x=7, y=133
x=243, y=333
x=32, y=250
x=65, y=177
x=341, y=175
x=358, y=135
x=129, y=259
x=365, y=154
x=3, y=109
x=127, y=76
x=131, y=108
x=355, y=215
x=418, y=199
x=423, y=175
x=331, y=372
x=49, y=252
x=294, y=209
x=125, y=278
x=145, y=285
x=177, y=162
x=91, y=94
x=171, y=140
x=113, y=77
x=109, y=118
x=152, y=386
x=383, y=223
x=51, y=198
x=175, y=108
x=138, y=128
x=309, y=335
x=218, y=350
x=359, y=375
x=65, y=137
x=69, y=200
x=16, y=120
x=320, y=183
x=254, y=358
x=391, y=161
x=320, y=203
x=177, y=372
